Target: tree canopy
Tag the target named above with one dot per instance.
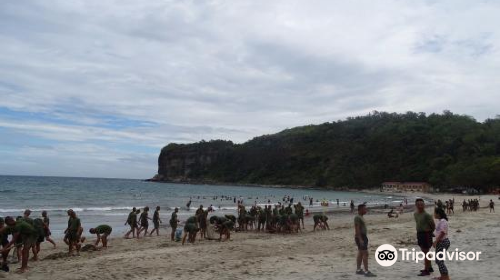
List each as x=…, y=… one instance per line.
x=446, y=150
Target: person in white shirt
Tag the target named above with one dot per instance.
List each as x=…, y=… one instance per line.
x=442, y=242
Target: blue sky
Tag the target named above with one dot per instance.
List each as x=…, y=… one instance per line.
x=97, y=88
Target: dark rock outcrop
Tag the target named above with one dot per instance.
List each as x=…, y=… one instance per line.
x=190, y=162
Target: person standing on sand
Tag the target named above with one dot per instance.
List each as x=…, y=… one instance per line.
x=156, y=222
x=73, y=232
x=46, y=222
x=492, y=206
x=361, y=239
x=442, y=242
x=132, y=222
x=21, y=230
x=425, y=228
x=173, y=223
x=299, y=210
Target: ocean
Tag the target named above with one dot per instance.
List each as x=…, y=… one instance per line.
x=108, y=201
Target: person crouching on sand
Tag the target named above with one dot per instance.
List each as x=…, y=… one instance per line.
x=425, y=227
x=320, y=220
x=102, y=232
x=361, y=239
x=442, y=242
x=190, y=230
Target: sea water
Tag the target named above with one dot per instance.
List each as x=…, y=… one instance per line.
x=108, y=201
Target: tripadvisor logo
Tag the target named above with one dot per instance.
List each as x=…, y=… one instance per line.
x=387, y=255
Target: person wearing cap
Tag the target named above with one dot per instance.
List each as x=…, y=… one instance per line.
x=21, y=230
x=173, y=223
x=361, y=239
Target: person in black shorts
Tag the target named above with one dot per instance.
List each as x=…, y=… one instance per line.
x=143, y=220
x=425, y=228
x=156, y=222
x=361, y=239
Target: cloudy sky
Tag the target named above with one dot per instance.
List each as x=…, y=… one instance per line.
x=97, y=88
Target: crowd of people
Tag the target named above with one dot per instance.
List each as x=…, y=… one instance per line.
x=27, y=233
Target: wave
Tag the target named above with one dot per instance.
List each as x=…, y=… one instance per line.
x=7, y=191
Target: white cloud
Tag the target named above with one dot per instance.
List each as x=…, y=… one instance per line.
x=198, y=70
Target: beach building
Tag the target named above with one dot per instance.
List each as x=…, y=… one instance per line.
x=406, y=187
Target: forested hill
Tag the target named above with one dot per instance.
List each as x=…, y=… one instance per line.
x=446, y=150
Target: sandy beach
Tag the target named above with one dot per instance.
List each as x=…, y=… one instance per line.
x=306, y=255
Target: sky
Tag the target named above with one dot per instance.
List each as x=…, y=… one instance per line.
x=95, y=88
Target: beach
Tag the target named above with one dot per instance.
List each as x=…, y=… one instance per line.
x=307, y=255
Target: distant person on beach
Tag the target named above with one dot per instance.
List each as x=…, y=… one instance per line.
x=40, y=231
x=492, y=206
x=199, y=211
x=391, y=214
x=73, y=232
x=24, y=232
x=132, y=222
x=401, y=209
x=202, y=220
x=174, y=221
x=320, y=220
x=190, y=230
x=102, y=232
x=425, y=228
x=156, y=222
x=352, y=206
x=188, y=205
x=442, y=242
x=26, y=216
x=299, y=211
x=47, y=232
x=143, y=221
x=361, y=239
